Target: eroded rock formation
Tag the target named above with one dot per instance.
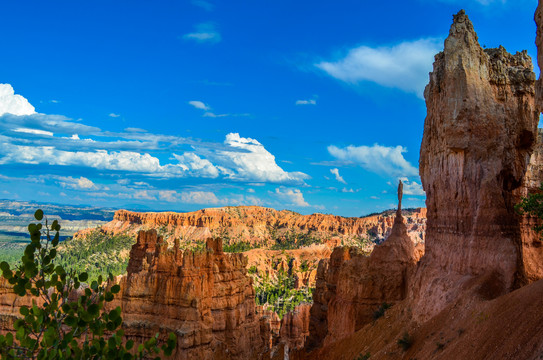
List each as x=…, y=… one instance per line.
x=256, y=224
x=300, y=264
x=205, y=298
x=478, y=136
x=352, y=286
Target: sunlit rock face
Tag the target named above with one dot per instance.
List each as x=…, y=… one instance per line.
x=256, y=224
x=351, y=286
x=205, y=298
x=479, y=133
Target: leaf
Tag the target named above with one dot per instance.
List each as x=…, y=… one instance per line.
x=93, y=310
x=32, y=229
x=83, y=277
x=115, y=289
x=38, y=214
x=109, y=296
x=9, y=339
x=4, y=266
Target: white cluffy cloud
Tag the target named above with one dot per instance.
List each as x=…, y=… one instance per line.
x=378, y=159
x=404, y=66
x=29, y=139
x=33, y=131
x=13, y=104
x=252, y=161
x=189, y=197
x=306, y=102
x=197, y=165
x=412, y=187
x=202, y=106
x=204, y=32
x=335, y=172
x=81, y=183
x=199, y=105
x=291, y=196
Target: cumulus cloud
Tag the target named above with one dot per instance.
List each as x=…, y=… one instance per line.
x=13, y=104
x=255, y=163
x=199, y=105
x=335, y=172
x=81, y=183
x=143, y=195
x=291, y=196
x=34, y=131
x=167, y=195
x=306, y=102
x=101, y=159
x=204, y=32
x=412, y=187
x=199, y=197
x=404, y=66
x=377, y=158
x=241, y=159
x=113, y=115
x=197, y=165
x=60, y=141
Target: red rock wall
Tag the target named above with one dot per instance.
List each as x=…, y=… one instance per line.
x=206, y=299
x=351, y=286
x=478, y=137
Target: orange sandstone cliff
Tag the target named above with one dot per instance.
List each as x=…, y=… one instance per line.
x=476, y=293
x=352, y=286
x=478, y=136
x=205, y=298
x=258, y=225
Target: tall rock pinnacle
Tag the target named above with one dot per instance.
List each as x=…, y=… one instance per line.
x=478, y=136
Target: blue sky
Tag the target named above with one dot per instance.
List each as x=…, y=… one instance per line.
x=312, y=106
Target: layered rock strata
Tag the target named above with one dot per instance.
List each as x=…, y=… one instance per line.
x=256, y=224
x=478, y=136
x=300, y=264
x=205, y=298
x=351, y=286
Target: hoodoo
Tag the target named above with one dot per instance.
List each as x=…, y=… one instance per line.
x=478, y=136
x=351, y=286
x=206, y=299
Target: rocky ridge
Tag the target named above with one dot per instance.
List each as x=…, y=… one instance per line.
x=259, y=225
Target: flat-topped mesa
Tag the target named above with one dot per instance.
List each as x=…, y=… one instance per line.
x=205, y=298
x=257, y=225
x=478, y=136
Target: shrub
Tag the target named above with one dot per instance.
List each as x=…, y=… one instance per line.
x=405, y=341
x=381, y=310
x=533, y=205
x=365, y=356
x=56, y=327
